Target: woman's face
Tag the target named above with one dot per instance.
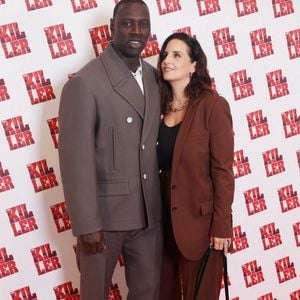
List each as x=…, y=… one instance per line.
x=176, y=64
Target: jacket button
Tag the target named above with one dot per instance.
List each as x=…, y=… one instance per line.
x=173, y=187
x=174, y=208
x=129, y=120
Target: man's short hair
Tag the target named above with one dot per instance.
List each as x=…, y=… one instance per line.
x=121, y=2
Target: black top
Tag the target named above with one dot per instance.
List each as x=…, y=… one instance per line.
x=166, y=142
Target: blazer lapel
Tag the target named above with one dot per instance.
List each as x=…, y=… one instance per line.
x=152, y=100
x=182, y=134
x=131, y=92
x=122, y=80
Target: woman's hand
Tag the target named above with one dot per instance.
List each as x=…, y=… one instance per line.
x=220, y=243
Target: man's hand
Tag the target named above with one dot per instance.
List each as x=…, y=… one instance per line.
x=93, y=243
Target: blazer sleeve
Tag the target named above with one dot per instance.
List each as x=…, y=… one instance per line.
x=221, y=160
x=77, y=119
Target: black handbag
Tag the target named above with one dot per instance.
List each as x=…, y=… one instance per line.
x=201, y=270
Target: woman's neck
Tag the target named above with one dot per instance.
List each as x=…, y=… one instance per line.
x=179, y=97
x=178, y=91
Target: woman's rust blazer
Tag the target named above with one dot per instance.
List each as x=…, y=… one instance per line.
x=202, y=181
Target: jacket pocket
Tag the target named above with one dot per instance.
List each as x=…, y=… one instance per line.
x=112, y=188
x=206, y=208
x=112, y=148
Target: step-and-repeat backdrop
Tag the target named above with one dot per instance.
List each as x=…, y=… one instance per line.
x=253, y=48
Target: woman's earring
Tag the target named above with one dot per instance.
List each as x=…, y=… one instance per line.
x=191, y=74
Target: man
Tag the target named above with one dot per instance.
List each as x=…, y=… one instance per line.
x=109, y=118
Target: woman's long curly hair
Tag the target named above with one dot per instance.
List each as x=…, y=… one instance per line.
x=200, y=80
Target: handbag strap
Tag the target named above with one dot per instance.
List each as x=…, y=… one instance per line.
x=201, y=270
x=225, y=274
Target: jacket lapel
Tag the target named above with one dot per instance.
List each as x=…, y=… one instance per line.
x=152, y=100
x=182, y=135
x=122, y=80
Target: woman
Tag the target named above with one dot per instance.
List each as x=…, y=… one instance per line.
x=195, y=153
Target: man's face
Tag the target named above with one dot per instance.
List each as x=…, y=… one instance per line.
x=130, y=29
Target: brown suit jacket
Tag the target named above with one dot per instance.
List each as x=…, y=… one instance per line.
x=202, y=184
x=107, y=147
